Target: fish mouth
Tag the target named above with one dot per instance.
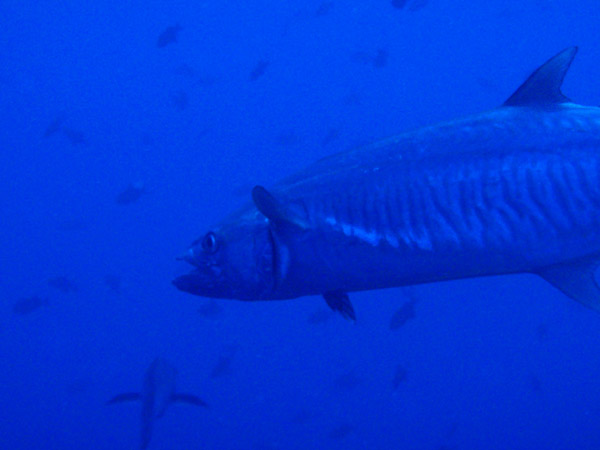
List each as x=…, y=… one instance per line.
x=195, y=283
x=204, y=281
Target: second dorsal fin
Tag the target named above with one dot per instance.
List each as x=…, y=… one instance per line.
x=543, y=86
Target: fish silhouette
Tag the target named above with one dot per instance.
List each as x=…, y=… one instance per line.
x=158, y=393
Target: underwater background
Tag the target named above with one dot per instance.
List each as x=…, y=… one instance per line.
x=128, y=128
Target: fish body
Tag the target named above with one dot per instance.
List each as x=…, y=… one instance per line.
x=168, y=36
x=400, y=376
x=113, y=282
x=75, y=137
x=62, y=284
x=131, y=194
x=511, y=190
x=259, y=70
x=158, y=392
x=54, y=126
x=222, y=367
x=403, y=315
x=28, y=305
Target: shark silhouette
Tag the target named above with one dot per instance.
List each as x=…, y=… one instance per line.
x=158, y=392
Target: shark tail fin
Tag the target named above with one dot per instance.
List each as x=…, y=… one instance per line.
x=576, y=279
x=190, y=399
x=543, y=86
x=125, y=397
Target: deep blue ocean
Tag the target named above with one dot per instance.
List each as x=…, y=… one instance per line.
x=127, y=129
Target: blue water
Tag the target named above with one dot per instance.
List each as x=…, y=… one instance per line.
x=495, y=363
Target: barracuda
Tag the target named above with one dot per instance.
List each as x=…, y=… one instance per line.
x=512, y=190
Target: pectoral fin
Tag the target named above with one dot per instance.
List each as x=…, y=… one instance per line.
x=189, y=399
x=125, y=397
x=278, y=212
x=576, y=279
x=339, y=302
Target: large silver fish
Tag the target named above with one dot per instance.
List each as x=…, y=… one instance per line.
x=515, y=189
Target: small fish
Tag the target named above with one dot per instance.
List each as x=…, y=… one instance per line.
x=451, y=431
x=403, y=315
x=351, y=99
x=259, y=70
x=380, y=58
x=411, y=6
x=113, y=282
x=320, y=316
x=63, y=284
x=73, y=225
x=399, y=376
x=132, y=193
x=210, y=309
x=347, y=382
x=305, y=14
x=542, y=332
x=417, y=5
x=377, y=60
x=223, y=366
x=168, y=36
x=301, y=417
x=399, y=4
x=147, y=139
x=341, y=431
x=287, y=138
x=54, y=126
x=206, y=80
x=75, y=137
x=323, y=9
x=535, y=384
x=28, y=305
x=180, y=100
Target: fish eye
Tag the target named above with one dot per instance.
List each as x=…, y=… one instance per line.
x=210, y=243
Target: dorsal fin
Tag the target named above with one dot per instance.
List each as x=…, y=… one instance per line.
x=543, y=86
